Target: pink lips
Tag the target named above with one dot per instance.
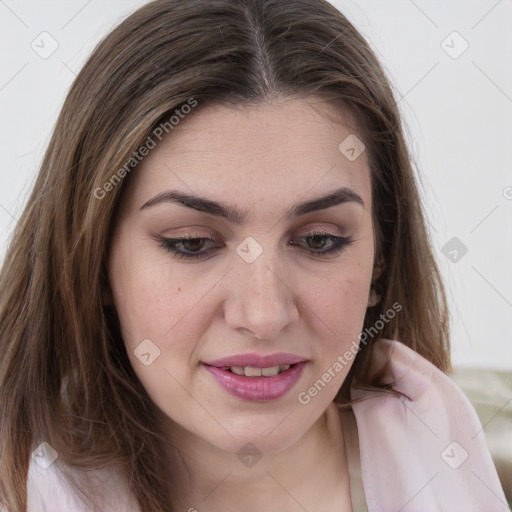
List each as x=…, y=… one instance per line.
x=257, y=389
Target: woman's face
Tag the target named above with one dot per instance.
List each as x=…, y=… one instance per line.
x=276, y=273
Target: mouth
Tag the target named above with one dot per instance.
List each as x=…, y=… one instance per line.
x=257, y=383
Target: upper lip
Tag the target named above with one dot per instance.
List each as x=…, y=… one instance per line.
x=257, y=360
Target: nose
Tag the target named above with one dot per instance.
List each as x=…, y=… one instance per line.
x=261, y=302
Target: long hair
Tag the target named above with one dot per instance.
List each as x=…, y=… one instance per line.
x=65, y=377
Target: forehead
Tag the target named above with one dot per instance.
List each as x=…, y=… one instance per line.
x=281, y=149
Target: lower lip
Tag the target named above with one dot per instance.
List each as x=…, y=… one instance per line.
x=257, y=389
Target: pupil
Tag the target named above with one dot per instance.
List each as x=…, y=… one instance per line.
x=318, y=241
x=196, y=243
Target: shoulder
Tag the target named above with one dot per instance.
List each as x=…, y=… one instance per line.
x=426, y=437
x=48, y=488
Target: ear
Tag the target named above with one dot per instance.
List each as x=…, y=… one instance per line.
x=378, y=268
x=373, y=297
x=107, y=297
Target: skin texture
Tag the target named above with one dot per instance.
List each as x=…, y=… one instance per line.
x=264, y=160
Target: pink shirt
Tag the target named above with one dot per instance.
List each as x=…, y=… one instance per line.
x=422, y=452
x=425, y=451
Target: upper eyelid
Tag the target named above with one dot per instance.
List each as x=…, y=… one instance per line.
x=309, y=233
x=206, y=232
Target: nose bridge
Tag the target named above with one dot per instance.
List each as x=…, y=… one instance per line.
x=264, y=302
x=260, y=280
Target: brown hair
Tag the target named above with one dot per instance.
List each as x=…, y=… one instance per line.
x=57, y=334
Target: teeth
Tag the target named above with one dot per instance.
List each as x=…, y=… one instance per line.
x=251, y=371
x=270, y=372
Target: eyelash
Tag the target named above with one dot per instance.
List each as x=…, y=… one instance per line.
x=169, y=244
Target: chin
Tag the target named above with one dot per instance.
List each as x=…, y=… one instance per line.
x=270, y=432
x=256, y=442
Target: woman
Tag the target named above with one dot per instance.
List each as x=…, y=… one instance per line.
x=221, y=293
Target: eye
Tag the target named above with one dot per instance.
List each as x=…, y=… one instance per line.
x=189, y=247
x=318, y=240
x=193, y=246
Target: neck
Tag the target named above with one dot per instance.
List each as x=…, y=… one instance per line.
x=310, y=474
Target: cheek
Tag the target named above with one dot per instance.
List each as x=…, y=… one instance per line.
x=338, y=298
x=157, y=302
x=150, y=299
x=157, y=319
x=340, y=310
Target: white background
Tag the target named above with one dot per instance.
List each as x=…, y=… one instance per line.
x=458, y=112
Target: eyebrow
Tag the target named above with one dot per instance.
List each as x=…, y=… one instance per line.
x=237, y=216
